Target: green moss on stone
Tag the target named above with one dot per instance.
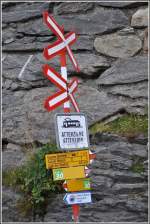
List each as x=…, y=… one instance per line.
x=137, y=167
x=127, y=125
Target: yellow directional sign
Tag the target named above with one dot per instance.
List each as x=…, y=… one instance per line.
x=77, y=185
x=69, y=173
x=67, y=159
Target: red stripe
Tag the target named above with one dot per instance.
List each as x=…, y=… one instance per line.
x=45, y=71
x=63, y=60
x=45, y=16
x=66, y=110
x=76, y=210
x=92, y=156
x=65, y=185
x=50, y=108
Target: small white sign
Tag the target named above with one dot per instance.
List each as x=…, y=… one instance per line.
x=78, y=198
x=72, y=131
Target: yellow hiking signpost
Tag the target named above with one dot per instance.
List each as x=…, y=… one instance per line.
x=77, y=185
x=70, y=173
x=67, y=159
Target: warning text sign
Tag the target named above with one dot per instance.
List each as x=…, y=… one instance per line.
x=72, y=131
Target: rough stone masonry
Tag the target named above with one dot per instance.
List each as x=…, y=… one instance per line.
x=112, y=53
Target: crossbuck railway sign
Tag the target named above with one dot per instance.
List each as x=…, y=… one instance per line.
x=66, y=90
x=63, y=43
x=72, y=131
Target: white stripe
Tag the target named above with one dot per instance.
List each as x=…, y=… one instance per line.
x=67, y=104
x=73, y=86
x=3, y=58
x=56, y=28
x=74, y=103
x=71, y=55
x=62, y=36
x=91, y=161
x=25, y=65
x=57, y=99
x=70, y=38
x=64, y=75
x=61, y=45
x=56, y=48
x=52, y=75
x=87, y=171
x=64, y=72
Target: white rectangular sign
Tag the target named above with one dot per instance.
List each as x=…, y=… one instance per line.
x=72, y=131
x=78, y=198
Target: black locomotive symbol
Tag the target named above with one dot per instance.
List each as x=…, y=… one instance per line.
x=68, y=123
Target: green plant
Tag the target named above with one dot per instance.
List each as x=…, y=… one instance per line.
x=33, y=180
x=137, y=166
x=127, y=125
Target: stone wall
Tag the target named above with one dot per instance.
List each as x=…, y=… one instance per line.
x=112, y=53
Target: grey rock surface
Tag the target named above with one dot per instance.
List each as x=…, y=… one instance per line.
x=89, y=64
x=110, y=21
x=12, y=66
x=126, y=71
x=26, y=107
x=32, y=122
x=24, y=12
x=9, y=202
x=126, y=81
x=139, y=90
x=29, y=43
x=8, y=33
x=117, y=45
x=140, y=18
x=145, y=45
x=123, y=4
x=108, y=88
x=70, y=8
x=14, y=155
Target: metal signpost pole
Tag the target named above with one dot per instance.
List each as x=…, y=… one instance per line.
x=75, y=208
x=64, y=75
x=74, y=172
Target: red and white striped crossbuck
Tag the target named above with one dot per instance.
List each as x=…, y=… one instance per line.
x=66, y=90
x=62, y=44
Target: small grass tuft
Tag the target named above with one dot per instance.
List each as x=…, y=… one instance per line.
x=128, y=125
x=137, y=164
x=137, y=167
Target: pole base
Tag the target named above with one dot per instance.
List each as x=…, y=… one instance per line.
x=75, y=210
